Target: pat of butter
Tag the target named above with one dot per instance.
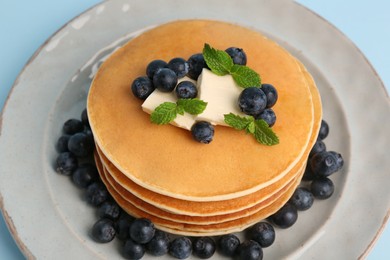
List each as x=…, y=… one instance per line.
x=157, y=98
x=221, y=93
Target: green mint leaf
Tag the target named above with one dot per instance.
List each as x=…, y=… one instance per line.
x=193, y=106
x=264, y=134
x=164, y=113
x=238, y=122
x=251, y=128
x=180, y=110
x=245, y=77
x=218, y=61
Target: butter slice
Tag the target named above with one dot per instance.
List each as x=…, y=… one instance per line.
x=221, y=93
x=158, y=97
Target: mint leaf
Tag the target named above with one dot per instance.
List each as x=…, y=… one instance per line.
x=193, y=106
x=264, y=134
x=258, y=128
x=164, y=113
x=237, y=122
x=245, y=77
x=218, y=61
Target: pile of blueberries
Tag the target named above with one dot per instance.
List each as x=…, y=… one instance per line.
x=164, y=76
x=75, y=159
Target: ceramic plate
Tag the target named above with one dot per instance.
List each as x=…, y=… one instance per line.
x=45, y=211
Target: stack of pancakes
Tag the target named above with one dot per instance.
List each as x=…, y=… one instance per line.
x=185, y=187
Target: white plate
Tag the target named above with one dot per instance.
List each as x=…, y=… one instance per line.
x=45, y=211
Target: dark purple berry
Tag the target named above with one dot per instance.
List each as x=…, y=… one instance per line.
x=96, y=194
x=66, y=163
x=322, y=188
x=186, y=89
x=308, y=174
x=142, y=230
x=62, y=144
x=249, y=250
x=109, y=209
x=324, y=130
x=227, y=244
x=165, y=80
x=203, y=247
x=196, y=64
x=325, y=163
x=103, y=230
x=72, y=126
x=142, y=87
x=268, y=115
x=318, y=147
x=154, y=66
x=84, y=117
x=159, y=245
x=133, y=250
x=237, y=54
x=80, y=145
x=84, y=175
x=286, y=216
x=180, y=248
x=179, y=66
x=123, y=226
x=202, y=132
x=302, y=199
x=252, y=101
x=271, y=93
x=263, y=233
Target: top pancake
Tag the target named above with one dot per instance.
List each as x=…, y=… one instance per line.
x=165, y=159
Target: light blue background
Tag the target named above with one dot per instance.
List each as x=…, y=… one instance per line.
x=25, y=25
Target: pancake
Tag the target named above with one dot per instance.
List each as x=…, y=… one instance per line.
x=165, y=159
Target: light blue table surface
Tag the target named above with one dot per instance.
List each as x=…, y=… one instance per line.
x=25, y=25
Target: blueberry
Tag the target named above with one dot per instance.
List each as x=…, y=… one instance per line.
x=252, y=101
x=322, y=188
x=103, y=230
x=84, y=117
x=80, y=145
x=165, y=80
x=238, y=55
x=109, y=209
x=142, y=230
x=62, y=144
x=318, y=147
x=268, y=115
x=286, y=216
x=302, y=199
x=72, y=126
x=159, y=245
x=179, y=66
x=308, y=174
x=142, y=87
x=227, y=244
x=325, y=163
x=202, y=132
x=133, y=250
x=66, y=163
x=196, y=64
x=263, y=233
x=88, y=132
x=186, y=89
x=249, y=250
x=154, y=66
x=271, y=93
x=324, y=130
x=96, y=193
x=203, y=247
x=84, y=175
x=123, y=226
x=180, y=248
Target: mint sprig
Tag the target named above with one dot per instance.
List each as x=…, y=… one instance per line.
x=222, y=64
x=258, y=128
x=168, y=111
